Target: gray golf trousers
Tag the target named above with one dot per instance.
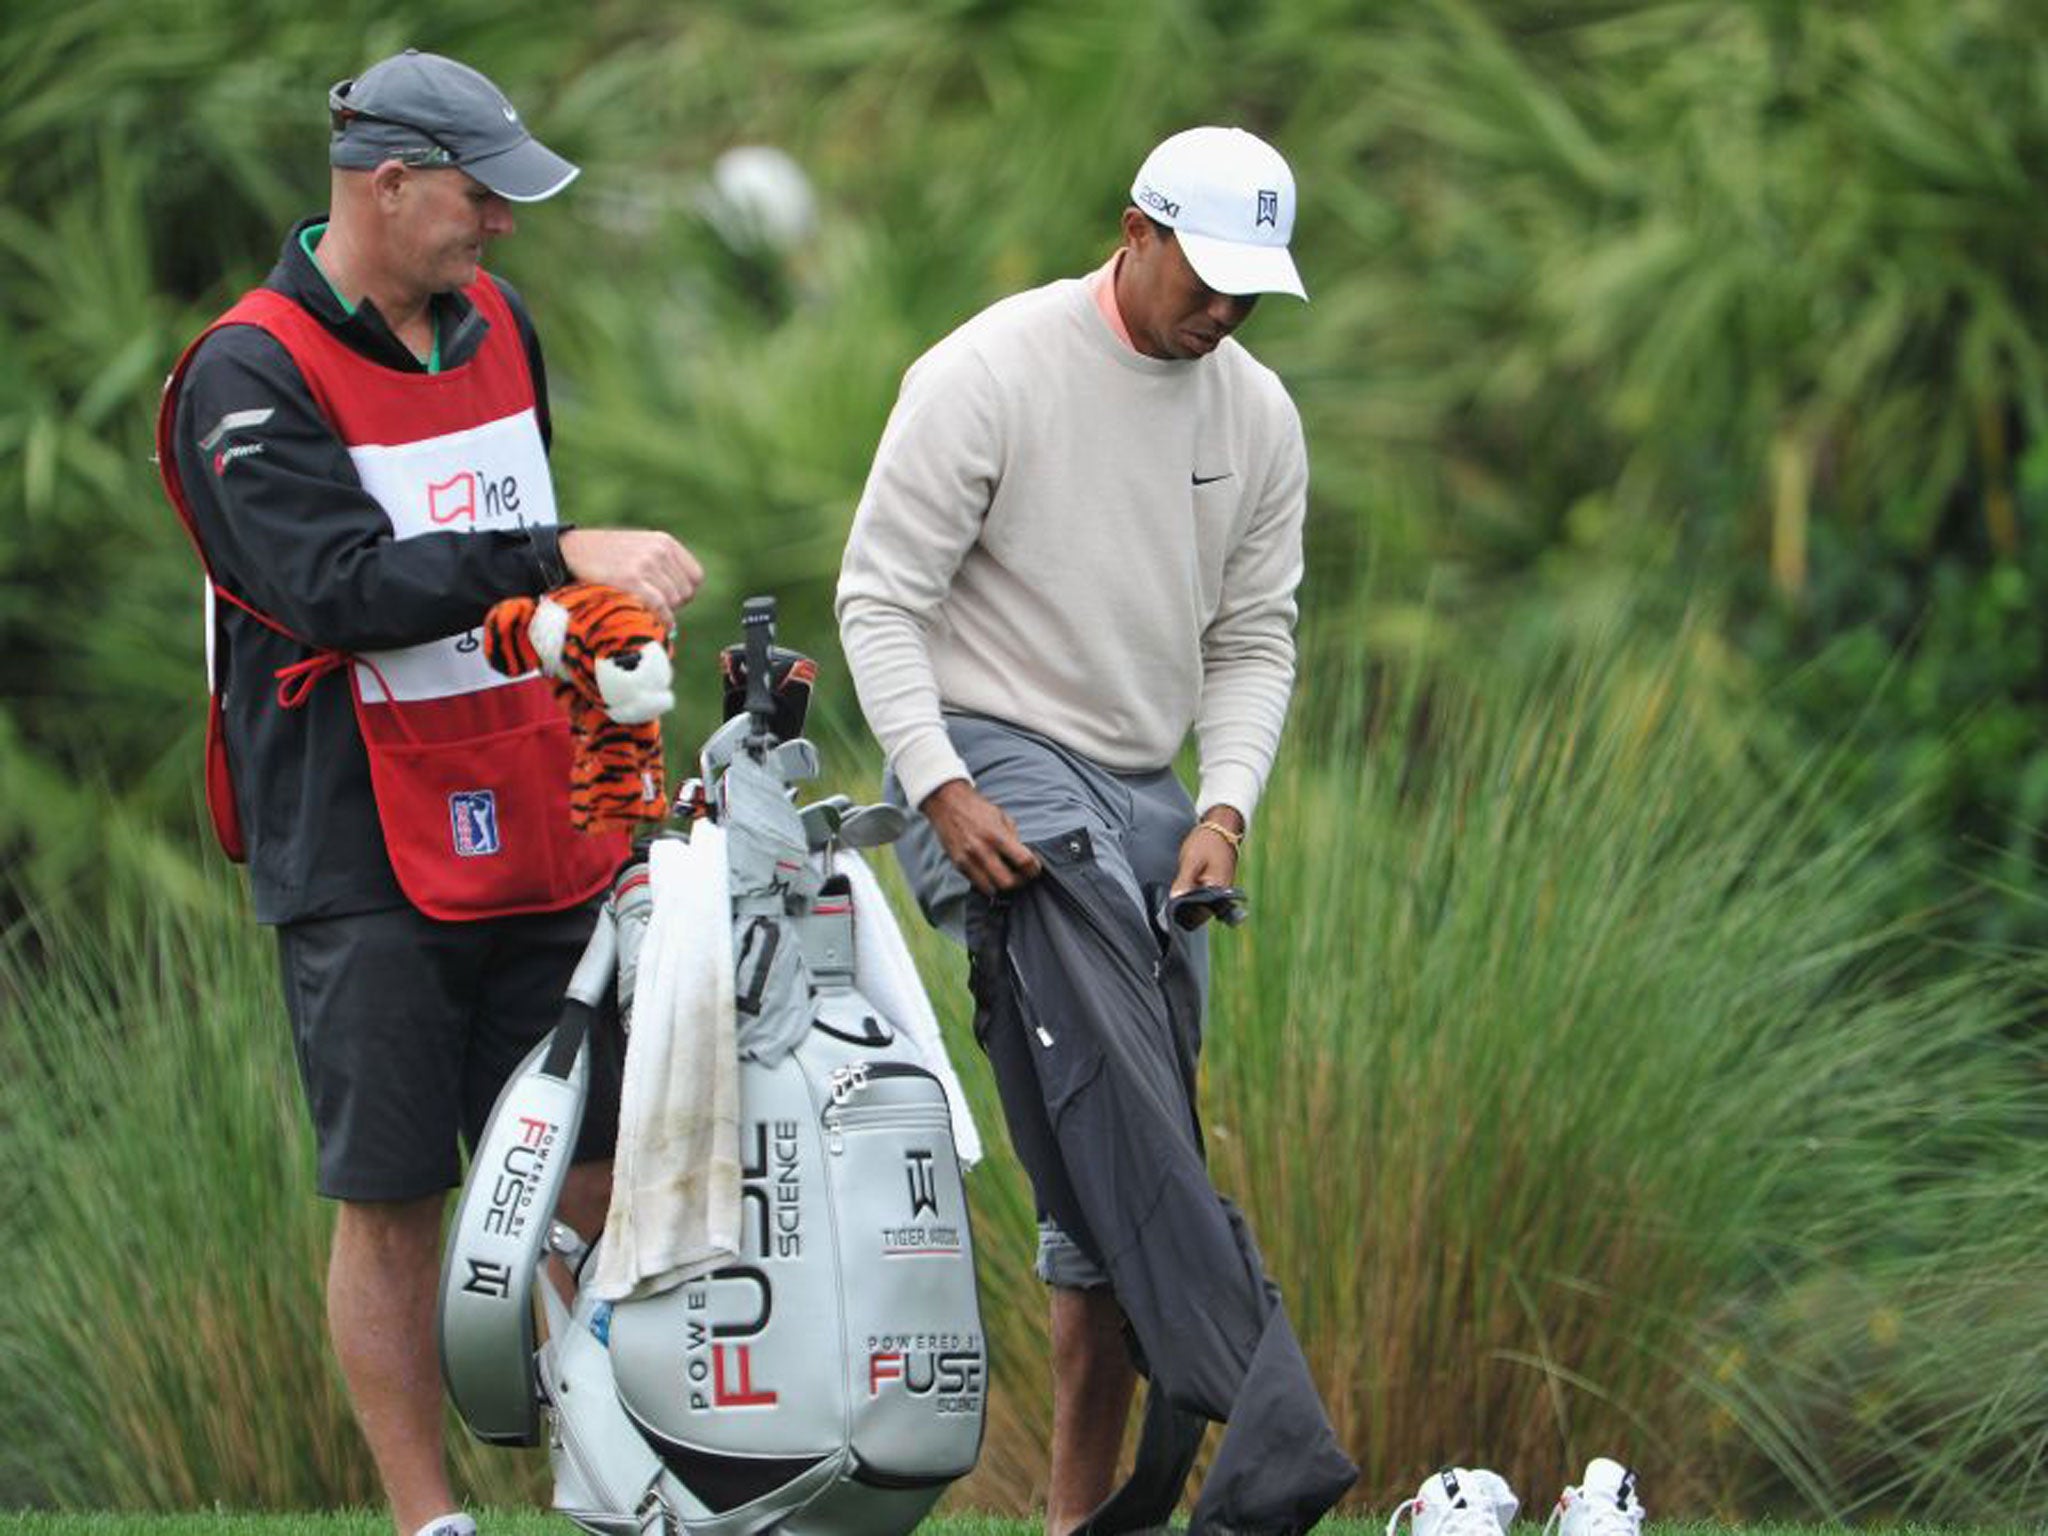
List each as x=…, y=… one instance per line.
x=1136, y=822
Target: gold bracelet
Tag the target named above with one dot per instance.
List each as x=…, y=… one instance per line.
x=1235, y=839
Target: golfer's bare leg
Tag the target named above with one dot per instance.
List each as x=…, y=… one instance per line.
x=1092, y=1383
x=382, y=1275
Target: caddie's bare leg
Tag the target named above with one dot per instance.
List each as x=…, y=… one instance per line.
x=382, y=1275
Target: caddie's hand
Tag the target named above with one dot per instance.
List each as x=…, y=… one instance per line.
x=1207, y=857
x=654, y=567
x=979, y=838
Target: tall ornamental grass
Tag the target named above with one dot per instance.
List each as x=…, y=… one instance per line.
x=1916, y=1379
x=162, y=1321
x=1562, y=1055
x=1580, y=1100
x=155, y=1163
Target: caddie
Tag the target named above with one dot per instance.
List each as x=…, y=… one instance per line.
x=359, y=449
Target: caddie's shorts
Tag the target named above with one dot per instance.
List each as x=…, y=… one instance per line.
x=1137, y=822
x=406, y=1027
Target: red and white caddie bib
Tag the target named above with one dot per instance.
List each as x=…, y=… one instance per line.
x=471, y=770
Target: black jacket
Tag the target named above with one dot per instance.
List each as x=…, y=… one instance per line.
x=288, y=528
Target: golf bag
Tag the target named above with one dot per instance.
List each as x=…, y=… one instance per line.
x=831, y=1379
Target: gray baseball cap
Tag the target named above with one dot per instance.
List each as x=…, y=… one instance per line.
x=426, y=110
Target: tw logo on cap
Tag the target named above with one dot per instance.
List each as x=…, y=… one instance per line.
x=1269, y=210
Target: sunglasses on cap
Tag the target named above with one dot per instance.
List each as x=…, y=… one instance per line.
x=340, y=113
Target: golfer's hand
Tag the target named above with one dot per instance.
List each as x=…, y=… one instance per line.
x=651, y=566
x=1207, y=858
x=979, y=838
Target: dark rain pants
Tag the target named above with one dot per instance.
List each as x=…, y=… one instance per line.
x=1083, y=1009
x=1091, y=1017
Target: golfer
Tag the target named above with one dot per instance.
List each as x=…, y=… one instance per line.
x=359, y=450
x=1079, y=541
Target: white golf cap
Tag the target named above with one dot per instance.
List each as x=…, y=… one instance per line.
x=1229, y=199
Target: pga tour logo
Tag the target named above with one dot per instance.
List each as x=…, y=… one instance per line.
x=473, y=816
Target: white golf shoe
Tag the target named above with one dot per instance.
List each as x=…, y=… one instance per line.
x=1604, y=1504
x=1459, y=1502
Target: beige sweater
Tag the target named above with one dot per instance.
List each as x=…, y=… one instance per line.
x=1095, y=544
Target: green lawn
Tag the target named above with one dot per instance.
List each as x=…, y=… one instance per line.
x=536, y=1523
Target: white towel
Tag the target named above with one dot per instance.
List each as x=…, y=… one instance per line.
x=675, y=1207
x=887, y=977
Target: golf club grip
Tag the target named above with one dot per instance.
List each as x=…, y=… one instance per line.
x=588, y=985
x=757, y=618
x=568, y=1038
x=598, y=967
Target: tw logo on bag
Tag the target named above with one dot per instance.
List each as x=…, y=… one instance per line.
x=924, y=1188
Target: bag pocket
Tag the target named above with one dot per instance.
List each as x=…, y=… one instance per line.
x=913, y=1321
x=480, y=827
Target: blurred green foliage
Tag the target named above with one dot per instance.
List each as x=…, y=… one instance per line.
x=1616, y=307
x=1932, y=667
